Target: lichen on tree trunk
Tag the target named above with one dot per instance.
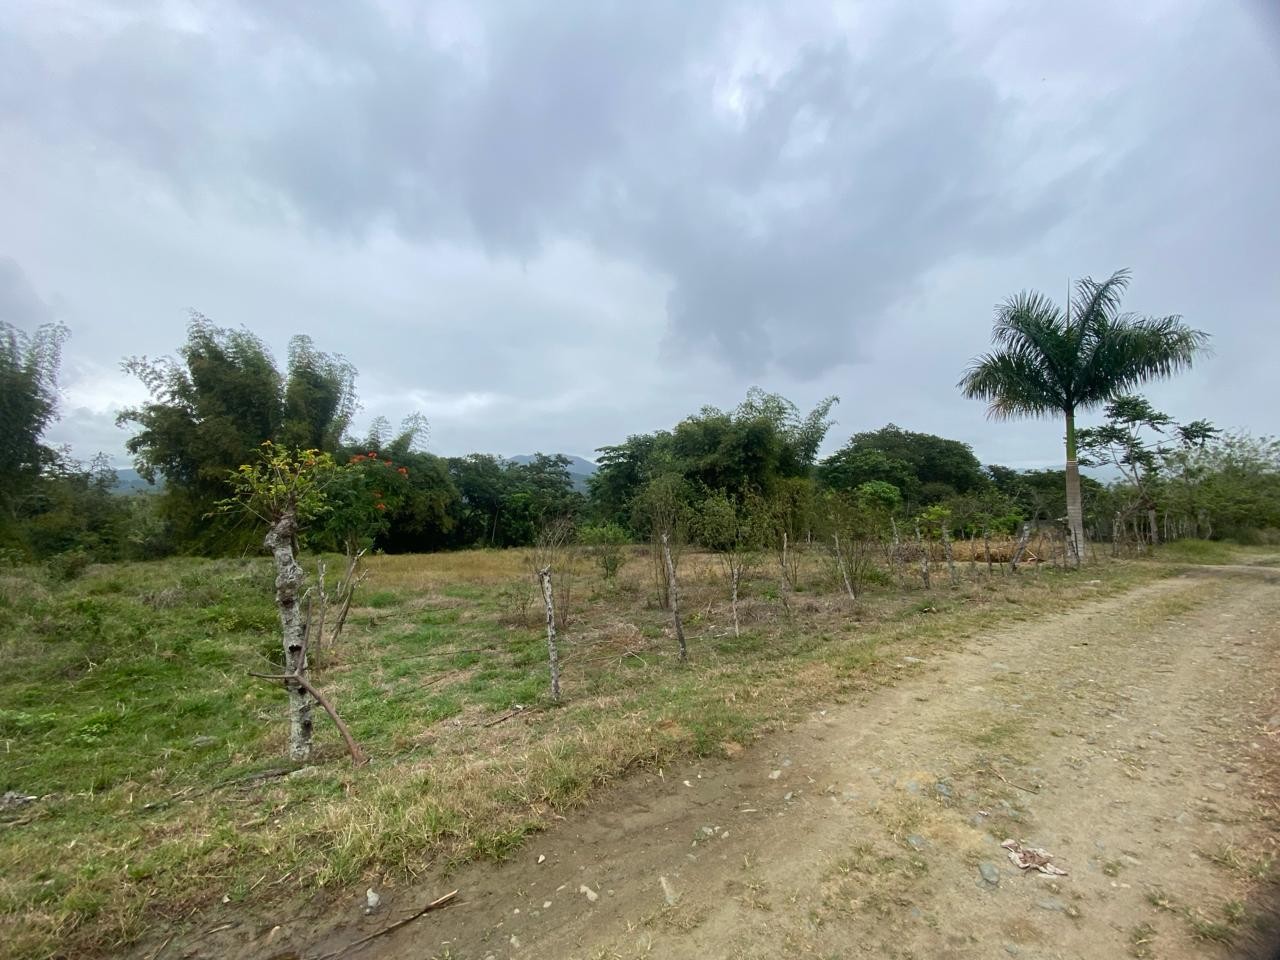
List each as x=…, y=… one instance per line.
x=553, y=653
x=735, y=573
x=673, y=592
x=924, y=558
x=844, y=570
x=281, y=540
x=1020, y=547
x=946, y=552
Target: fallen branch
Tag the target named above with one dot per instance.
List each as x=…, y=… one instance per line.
x=506, y=716
x=160, y=949
x=433, y=905
x=999, y=776
x=357, y=755
x=183, y=793
x=268, y=774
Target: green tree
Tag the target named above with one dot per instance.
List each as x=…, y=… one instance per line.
x=1228, y=487
x=801, y=435
x=319, y=397
x=397, y=497
x=425, y=517
x=548, y=485
x=1034, y=494
x=1050, y=363
x=622, y=471
x=483, y=486
x=852, y=467
x=72, y=508
x=213, y=406
x=924, y=467
x=735, y=529
x=28, y=404
x=1142, y=443
x=878, y=497
x=762, y=442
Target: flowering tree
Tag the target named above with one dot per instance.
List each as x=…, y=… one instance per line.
x=363, y=496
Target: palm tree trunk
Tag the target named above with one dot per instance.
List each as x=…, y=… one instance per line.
x=1075, y=507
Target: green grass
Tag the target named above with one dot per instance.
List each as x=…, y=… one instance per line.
x=126, y=706
x=1214, y=552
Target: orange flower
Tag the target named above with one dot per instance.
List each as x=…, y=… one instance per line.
x=403, y=471
x=381, y=506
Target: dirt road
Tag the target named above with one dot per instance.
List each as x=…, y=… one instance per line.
x=1134, y=739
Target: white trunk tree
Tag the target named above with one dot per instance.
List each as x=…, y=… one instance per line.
x=281, y=540
x=673, y=595
x=553, y=653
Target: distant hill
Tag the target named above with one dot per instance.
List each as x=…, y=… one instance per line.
x=579, y=469
x=131, y=482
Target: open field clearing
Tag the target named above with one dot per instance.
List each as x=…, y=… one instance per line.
x=165, y=808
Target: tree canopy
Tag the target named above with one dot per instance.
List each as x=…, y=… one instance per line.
x=923, y=467
x=28, y=404
x=753, y=449
x=216, y=403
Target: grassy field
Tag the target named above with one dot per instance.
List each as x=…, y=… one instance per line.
x=126, y=708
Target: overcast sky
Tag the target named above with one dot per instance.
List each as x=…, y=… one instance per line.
x=550, y=225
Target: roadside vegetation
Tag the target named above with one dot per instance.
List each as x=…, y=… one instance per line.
x=158, y=763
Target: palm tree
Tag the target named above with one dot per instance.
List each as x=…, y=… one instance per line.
x=1047, y=364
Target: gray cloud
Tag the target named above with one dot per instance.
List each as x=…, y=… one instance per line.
x=20, y=305
x=617, y=212
x=804, y=201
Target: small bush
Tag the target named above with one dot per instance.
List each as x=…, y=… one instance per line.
x=515, y=601
x=606, y=543
x=67, y=566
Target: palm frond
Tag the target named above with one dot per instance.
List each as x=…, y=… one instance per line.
x=1024, y=319
x=1094, y=300
x=1013, y=384
x=1045, y=364
x=1127, y=351
x=1032, y=327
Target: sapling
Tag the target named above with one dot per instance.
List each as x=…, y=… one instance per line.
x=286, y=490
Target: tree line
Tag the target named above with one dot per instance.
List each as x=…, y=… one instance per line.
x=213, y=405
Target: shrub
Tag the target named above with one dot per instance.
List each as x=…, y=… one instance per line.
x=67, y=565
x=606, y=542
